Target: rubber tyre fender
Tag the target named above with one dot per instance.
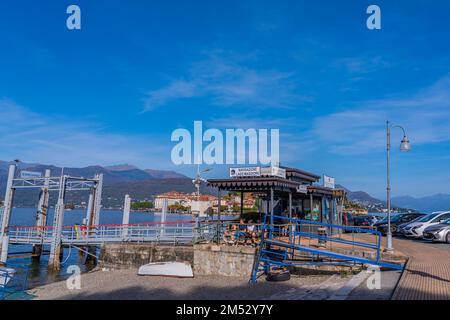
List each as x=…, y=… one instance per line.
x=278, y=276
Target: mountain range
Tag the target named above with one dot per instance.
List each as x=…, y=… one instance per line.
x=118, y=180
x=144, y=184
x=438, y=202
x=426, y=204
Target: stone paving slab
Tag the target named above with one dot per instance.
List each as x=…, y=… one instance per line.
x=334, y=288
x=424, y=281
x=427, y=274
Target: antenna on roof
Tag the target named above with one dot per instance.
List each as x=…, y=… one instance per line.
x=198, y=179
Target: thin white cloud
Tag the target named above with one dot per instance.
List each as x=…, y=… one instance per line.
x=361, y=129
x=34, y=137
x=247, y=120
x=293, y=146
x=229, y=80
x=361, y=65
x=175, y=90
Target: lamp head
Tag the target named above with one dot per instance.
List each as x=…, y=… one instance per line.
x=405, y=146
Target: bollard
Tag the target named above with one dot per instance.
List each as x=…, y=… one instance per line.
x=322, y=231
x=4, y=253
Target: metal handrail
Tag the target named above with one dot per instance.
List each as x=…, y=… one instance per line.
x=299, y=224
x=172, y=231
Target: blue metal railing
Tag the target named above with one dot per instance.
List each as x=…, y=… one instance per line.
x=13, y=280
x=293, y=229
x=300, y=225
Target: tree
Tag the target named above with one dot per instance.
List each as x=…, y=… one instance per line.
x=142, y=205
x=177, y=207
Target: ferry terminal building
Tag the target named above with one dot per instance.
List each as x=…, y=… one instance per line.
x=285, y=191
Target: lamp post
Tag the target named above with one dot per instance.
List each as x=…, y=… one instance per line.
x=404, y=147
x=197, y=183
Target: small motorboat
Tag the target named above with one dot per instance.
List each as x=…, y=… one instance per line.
x=6, y=274
x=167, y=269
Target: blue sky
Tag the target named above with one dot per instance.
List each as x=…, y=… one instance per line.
x=114, y=91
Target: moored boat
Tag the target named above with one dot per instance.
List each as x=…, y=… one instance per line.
x=6, y=274
x=167, y=269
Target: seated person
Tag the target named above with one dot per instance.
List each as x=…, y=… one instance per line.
x=228, y=235
x=251, y=232
x=240, y=231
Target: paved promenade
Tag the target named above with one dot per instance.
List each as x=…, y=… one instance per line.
x=427, y=275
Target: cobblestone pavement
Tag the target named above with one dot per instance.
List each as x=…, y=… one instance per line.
x=126, y=284
x=427, y=274
x=334, y=288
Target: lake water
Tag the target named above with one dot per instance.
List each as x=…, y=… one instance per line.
x=38, y=271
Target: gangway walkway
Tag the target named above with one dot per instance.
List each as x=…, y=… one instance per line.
x=174, y=232
x=297, y=245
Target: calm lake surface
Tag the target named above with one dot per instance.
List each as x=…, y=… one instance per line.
x=38, y=271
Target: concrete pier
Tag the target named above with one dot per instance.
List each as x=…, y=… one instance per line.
x=41, y=214
x=128, y=255
x=8, y=204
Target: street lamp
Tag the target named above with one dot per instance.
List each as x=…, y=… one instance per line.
x=404, y=147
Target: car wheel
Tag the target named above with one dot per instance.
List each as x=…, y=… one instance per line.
x=278, y=276
x=448, y=237
x=394, y=231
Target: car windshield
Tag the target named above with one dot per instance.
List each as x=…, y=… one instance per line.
x=428, y=217
x=446, y=221
x=394, y=218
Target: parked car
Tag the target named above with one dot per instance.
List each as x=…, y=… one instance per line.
x=396, y=220
x=438, y=232
x=362, y=221
x=415, y=229
x=348, y=219
x=373, y=219
x=401, y=227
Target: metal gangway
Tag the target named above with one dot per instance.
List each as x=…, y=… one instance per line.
x=170, y=232
x=47, y=184
x=294, y=242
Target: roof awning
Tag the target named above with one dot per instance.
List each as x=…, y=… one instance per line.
x=254, y=184
x=264, y=184
x=301, y=174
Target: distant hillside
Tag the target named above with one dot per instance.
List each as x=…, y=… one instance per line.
x=145, y=190
x=111, y=174
x=127, y=169
x=118, y=181
x=145, y=184
x=438, y=202
x=164, y=174
x=121, y=167
x=373, y=204
x=361, y=197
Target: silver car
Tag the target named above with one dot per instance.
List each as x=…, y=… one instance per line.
x=439, y=232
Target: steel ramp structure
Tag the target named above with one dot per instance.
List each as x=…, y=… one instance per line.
x=286, y=245
x=173, y=232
